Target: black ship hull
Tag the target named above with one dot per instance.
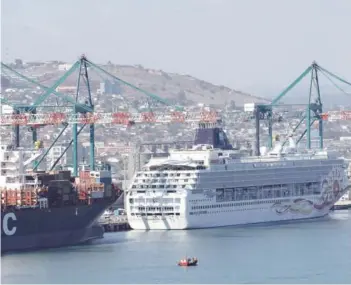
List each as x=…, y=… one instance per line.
x=29, y=229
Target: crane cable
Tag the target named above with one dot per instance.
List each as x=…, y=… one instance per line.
x=335, y=85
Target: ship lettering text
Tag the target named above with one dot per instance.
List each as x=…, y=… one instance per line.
x=9, y=231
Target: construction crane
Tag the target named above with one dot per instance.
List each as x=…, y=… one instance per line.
x=81, y=111
x=314, y=110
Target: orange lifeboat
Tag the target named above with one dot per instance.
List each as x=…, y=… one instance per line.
x=188, y=262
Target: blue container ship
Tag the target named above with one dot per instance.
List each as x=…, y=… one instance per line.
x=44, y=210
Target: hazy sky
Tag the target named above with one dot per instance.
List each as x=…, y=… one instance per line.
x=258, y=46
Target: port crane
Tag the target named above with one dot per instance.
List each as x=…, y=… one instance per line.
x=81, y=111
x=314, y=110
x=120, y=118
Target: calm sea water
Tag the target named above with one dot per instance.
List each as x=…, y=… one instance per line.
x=308, y=252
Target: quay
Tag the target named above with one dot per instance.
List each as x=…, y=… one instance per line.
x=114, y=223
x=342, y=205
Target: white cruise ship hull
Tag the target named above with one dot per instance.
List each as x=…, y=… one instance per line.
x=158, y=223
x=209, y=186
x=251, y=216
x=187, y=224
x=231, y=216
x=192, y=210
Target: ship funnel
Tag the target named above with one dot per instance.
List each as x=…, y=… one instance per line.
x=214, y=136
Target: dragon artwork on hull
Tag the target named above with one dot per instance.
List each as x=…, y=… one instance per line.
x=332, y=188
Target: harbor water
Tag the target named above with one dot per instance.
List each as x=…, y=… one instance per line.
x=317, y=251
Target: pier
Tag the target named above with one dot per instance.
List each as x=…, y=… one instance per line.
x=114, y=223
x=342, y=205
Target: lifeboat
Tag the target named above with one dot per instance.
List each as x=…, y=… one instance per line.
x=188, y=262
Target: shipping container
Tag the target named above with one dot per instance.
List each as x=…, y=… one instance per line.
x=84, y=174
x=105, y=174
x=46, y=179
x=60, y=182
x=106, y=181
x=97, y=194
x=107, y=187
x=94, y=174
x=100, y=174
x=85, y=179
x=108, y=192
x=82, y=195
x=66, y=174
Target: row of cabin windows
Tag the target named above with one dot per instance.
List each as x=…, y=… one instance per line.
x=174, y=168
x=154, y=200
x=238, y=204
x=161, y=186
x=163, y=174
x=255, y=165
x=267, y=192
x=198, y=213
x=168, y=191
x=136, y=181
x=155, y=214
x=156, y=208
x=200, y=200
x=226, y=210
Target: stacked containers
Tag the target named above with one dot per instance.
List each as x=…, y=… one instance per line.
x=94, y=178
x=10, y=198
x=61, y=187
x=83, y=183
x=84, y=179
x=106, y=179
x=103, y=177
x=64, y=175
x=28, y=197
x=84, y=175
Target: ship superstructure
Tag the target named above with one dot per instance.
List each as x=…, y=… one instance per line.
x=214, y=185
x=41, y=209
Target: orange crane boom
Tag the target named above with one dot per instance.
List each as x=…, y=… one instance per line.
x=121, y=118
x=336, y=115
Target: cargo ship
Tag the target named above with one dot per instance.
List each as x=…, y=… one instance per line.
x=49, y=209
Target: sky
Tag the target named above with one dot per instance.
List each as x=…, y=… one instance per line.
x=250, y=45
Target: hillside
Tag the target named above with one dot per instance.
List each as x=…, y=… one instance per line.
x=180, y=89
x=184, y=88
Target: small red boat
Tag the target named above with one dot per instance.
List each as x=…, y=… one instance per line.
x=188, y=262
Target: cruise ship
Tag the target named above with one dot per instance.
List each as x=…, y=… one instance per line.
x=213, y=185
